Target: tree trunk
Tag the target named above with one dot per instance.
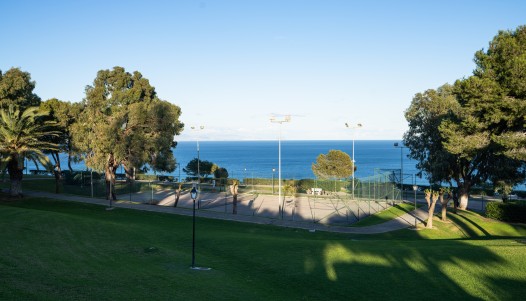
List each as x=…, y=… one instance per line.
x=233, y=190
x=234, y=204
x=128, y=172
x=431, y=212
x=178, y=194
x=69, y=163
x=444, y=202
x=463, y=193
x=428, y=199
x=15, y=170
x=57, y=171
x=70, y=138
x=110, y=169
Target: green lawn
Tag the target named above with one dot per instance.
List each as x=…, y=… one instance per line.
x=56, y=250
x=385, y=215
x=47, y=184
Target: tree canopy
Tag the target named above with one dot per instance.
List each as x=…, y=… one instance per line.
x=24, y=133
x=335, y=164
x=205, y=169
x=124, y=122
x=22, y=136
x=64, y=114
x=475, y=131
x=16, y=88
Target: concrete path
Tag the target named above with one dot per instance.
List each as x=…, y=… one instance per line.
x=185, y=208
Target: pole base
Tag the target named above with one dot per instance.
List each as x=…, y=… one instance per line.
x=110, y=208
x=200, y=268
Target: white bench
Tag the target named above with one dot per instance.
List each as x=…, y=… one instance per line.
x=316, y=191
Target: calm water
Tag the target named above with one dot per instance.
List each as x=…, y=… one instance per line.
x=258, y=158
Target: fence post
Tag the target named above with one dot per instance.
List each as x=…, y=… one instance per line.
x=91, y=183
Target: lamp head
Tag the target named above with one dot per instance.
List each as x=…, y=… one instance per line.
x=193, y=193
x=396, y=144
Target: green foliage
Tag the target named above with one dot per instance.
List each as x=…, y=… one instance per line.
x=204, y=168
x=124, y=122
x=22, y=135
x=221, y=173
x=494, y=98
x=336, y=164
x=16, y=88
x=64, y=115
x=473, y=131
x=142, y=176
x=80, y=177
x=507, y=212
x=327, y=185
x=425, y=114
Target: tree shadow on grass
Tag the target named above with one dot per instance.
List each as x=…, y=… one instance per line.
x=467, y=225
x=416, y=270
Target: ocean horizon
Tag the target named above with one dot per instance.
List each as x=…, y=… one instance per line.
x=258, y=158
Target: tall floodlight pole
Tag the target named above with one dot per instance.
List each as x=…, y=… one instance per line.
x=401, y=169
x=200, y=128
x=193, y=195
x=274, y=119
x=353, y=127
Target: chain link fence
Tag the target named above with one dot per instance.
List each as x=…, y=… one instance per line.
x=334, y=202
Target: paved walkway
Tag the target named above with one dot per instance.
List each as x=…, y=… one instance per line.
x=405, y=221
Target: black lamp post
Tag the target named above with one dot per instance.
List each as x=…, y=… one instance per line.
x=415, y=188
x=193, y=194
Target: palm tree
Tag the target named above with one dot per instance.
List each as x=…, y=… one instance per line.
x=22, y=135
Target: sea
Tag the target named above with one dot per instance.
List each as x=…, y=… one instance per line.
x=259, y=159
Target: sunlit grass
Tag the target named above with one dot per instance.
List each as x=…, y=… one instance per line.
x=385, y=215
x=53, y=250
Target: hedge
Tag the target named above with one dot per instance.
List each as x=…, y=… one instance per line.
x=506, y=212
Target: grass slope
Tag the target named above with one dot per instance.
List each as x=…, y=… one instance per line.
x=56, y=250
x=385, y=215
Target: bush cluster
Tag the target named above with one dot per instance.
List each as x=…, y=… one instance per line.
x=507, y=212
x=303, y=184
x=79, y=177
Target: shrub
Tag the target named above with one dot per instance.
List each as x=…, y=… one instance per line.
x=79, y=177
x=145, y=177
x=506, y=212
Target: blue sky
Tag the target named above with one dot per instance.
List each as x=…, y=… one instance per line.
x=229, y=65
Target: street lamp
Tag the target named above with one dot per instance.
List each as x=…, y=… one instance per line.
x=273, y=119
x=273, y=171
x=415, y=188
x=200, y=128
x=401, y=168
x=193, y=194
x=353, y=127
